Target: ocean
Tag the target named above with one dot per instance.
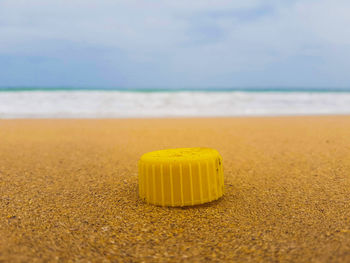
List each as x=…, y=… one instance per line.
x=140, y=103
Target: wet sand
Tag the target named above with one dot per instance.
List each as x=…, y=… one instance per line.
x=68, y=191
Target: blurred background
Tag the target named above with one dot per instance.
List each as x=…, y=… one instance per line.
x=126, y=58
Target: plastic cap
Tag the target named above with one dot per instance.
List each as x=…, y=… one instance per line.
x=181, y=177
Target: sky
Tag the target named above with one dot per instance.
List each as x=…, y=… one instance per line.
x=182, y=43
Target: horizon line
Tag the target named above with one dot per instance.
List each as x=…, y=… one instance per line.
x=178, y=89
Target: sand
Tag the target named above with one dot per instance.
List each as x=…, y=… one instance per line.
x=68, y=191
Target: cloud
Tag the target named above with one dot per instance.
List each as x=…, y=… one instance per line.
x=175, y=43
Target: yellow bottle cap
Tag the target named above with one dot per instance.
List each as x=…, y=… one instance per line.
x=181, y=177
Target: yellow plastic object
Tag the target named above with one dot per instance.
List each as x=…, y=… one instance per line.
x=181, y=177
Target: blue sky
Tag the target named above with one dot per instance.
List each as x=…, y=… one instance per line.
x=129, y=43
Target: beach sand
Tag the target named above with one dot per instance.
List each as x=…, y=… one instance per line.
x=68, y=191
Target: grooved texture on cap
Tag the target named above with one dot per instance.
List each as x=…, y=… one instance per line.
x=181, y=177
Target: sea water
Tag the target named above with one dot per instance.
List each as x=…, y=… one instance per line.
x=139, y=103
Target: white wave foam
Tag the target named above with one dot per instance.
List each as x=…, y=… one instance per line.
x=116, y=104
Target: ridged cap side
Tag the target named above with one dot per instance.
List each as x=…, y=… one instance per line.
x=181, y=177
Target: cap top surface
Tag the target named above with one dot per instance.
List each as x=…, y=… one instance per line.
x=180, y=154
